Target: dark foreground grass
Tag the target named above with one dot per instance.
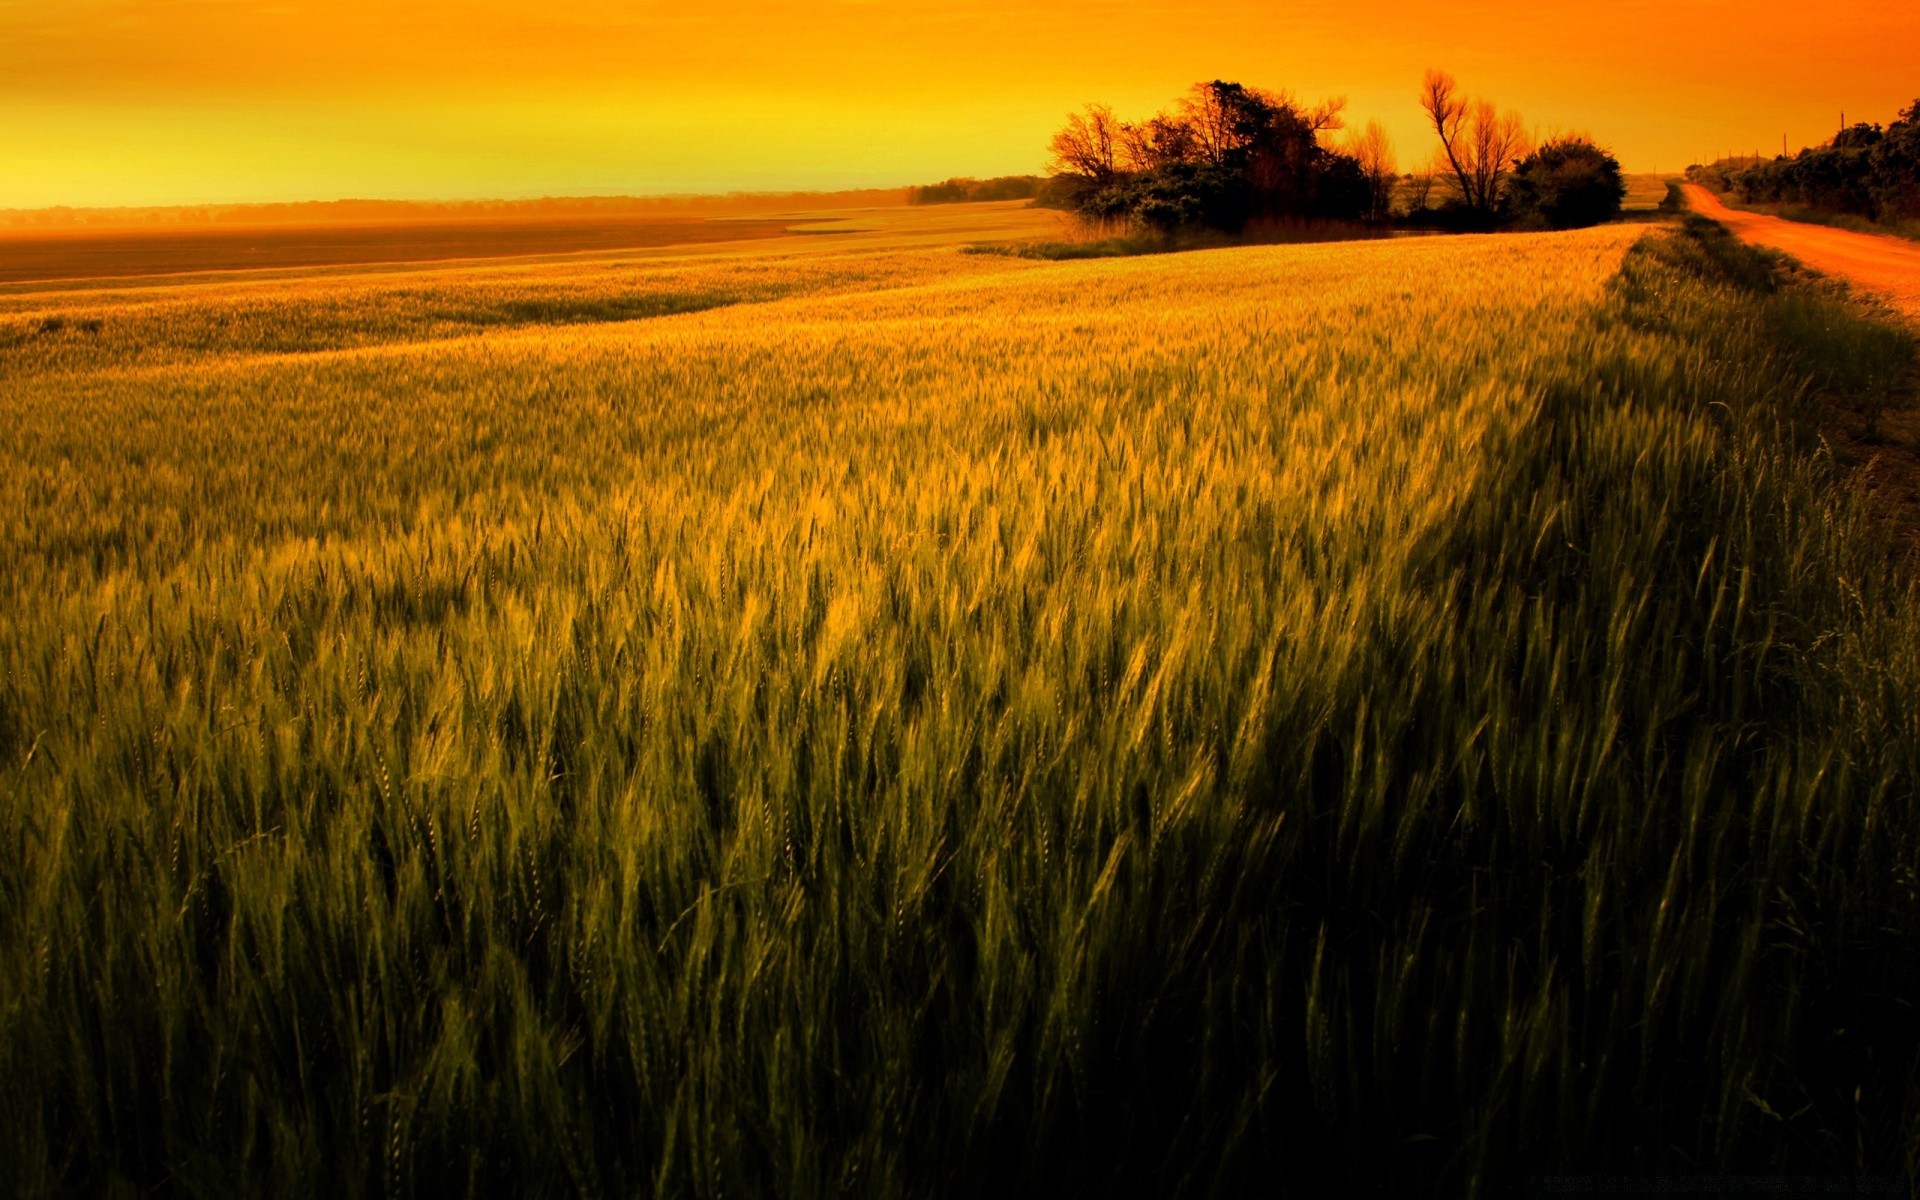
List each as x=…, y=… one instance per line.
x=1592, y=850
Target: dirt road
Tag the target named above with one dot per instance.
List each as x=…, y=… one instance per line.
x=1887, y=266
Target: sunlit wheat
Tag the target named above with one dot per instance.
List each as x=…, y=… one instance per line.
x=921, y=723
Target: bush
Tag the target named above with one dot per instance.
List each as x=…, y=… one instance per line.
x=1894, y=162
x=1186, y=196
x=1568, y=183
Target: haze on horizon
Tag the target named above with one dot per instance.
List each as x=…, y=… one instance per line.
x=138, y=102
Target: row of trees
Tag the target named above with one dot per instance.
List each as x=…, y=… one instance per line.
x=966, y=190
x=1224, y=155
x=1501, y=177
x=1865, y=171
x=1227, y=154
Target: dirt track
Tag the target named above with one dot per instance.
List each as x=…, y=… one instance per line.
x=1886, y=266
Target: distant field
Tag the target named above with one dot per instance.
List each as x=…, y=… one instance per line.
x=834, y=715
x=30, y=255
x=406, y=212
x=83, y=255
x=1646, y=191
x=120, y=253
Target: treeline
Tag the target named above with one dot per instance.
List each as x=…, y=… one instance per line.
x=1865, y=171
x=967, y=191
x=1227, y=155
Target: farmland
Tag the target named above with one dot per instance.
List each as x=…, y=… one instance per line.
x=839, y=715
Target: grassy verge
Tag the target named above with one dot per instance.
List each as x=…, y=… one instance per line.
x=1435, y=725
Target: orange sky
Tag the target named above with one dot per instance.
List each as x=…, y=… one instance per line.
x=183, y=101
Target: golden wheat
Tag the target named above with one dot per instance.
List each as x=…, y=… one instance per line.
x=897, y=720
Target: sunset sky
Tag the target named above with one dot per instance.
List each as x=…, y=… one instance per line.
x=108, y=102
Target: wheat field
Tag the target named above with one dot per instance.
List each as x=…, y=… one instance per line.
x=870, y=719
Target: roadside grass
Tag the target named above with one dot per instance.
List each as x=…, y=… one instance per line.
x=1384, y=717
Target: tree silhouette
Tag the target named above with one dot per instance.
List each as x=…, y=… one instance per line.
x=1373, y=150
x=1567, y=183
x=1481, y=144
x=1088, y=147
x=1225, y=154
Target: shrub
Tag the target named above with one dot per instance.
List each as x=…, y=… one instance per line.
x=1568, y=183
x=1185, y=196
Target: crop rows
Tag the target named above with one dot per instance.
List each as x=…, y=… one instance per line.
x=924, y=724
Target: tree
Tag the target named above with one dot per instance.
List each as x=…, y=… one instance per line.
x=1373, y=150
x=1446, y=110
x=1226, y=154
x=1480, y=143
x=1865, y=170
x=1420, y=183
x=1894, y=163
x=1215, y=114
x=1087, y=148
x=1192, y=195
x=1498, y=142
x=1230, y=121
x=1568, y=183
x=1160, y=142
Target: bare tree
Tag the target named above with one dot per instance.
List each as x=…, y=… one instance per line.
x=1420, y=183
x=1373, y=150
x=1156, y=143
x=1089, y=146
x=1325, y=116
x=1479, y=143
x=1446, y=109
x=1497, y=141
x=1213, y=119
